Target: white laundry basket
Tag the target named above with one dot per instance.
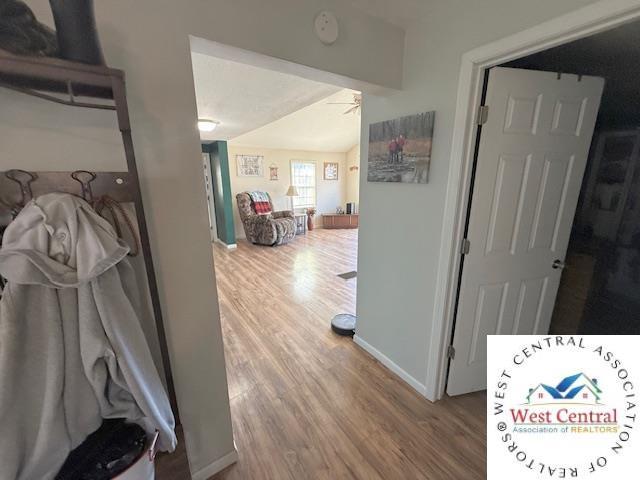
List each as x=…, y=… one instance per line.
x=144, y=466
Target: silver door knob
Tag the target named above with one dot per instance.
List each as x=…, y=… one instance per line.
x=558, y=264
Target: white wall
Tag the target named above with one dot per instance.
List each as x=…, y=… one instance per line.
x=149, y=40
x=400, y=225
x=329, y=195
x=353, y=176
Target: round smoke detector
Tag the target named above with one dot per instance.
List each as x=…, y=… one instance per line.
x=326, y=26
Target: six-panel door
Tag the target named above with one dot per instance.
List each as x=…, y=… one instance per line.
x=531, y=159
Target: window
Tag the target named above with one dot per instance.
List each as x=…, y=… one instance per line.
x=540, y=395
x=303, y=176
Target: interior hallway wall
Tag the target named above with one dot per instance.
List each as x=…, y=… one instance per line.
x=329, y=193
x=398, y=257
x=149, y=39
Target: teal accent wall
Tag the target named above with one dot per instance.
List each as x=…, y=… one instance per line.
x=221, y=183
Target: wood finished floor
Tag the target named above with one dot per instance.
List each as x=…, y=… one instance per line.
x=308, y=404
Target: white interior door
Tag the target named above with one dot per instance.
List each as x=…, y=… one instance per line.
x=531, y=158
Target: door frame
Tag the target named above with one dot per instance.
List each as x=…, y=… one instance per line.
x=595, y=18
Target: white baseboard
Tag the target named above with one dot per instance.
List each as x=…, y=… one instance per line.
x=215, y=467
x=387, y=362
x=230, y=246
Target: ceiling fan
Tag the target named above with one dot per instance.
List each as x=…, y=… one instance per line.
x=355, y=104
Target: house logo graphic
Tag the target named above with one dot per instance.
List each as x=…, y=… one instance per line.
x=574, y=389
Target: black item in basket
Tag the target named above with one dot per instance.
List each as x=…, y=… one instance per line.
x=107, y=452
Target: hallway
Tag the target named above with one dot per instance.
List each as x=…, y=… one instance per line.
x=307, y=403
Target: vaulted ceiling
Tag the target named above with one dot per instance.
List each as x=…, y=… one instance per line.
x=243, y=97
x=320, y=127
x=265, y=108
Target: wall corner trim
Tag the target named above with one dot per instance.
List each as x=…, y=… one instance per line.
x=217, y=466
x=387, y=362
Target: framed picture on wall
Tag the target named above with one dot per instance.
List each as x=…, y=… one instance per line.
x=400, y=149
x=330, y=171
x=273, y=172
x=250, y=165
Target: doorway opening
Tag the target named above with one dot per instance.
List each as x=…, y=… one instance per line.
x=555, y=177
x=282, y=170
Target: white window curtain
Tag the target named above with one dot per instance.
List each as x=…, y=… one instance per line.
x=303, y=176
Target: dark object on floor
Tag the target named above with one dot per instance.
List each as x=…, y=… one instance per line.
x=348, y=275
x=76, y=30
x=105, y=453
x=344, y=324
x=22, y=34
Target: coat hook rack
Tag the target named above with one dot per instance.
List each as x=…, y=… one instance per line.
x=51, y=79
x=84, y=178
x=24, y=179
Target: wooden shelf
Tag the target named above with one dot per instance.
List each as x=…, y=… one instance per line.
x=54, y=75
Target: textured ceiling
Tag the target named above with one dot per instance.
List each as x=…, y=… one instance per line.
x=320, y=127
x=242, y=97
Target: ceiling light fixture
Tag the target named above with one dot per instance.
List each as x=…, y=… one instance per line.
x=206, y=125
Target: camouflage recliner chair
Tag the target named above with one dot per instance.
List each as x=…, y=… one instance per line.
x=272, y=229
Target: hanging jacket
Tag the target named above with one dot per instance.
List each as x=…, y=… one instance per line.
x=72, y=350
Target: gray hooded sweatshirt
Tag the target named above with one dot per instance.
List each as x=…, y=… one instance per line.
x=72, y=350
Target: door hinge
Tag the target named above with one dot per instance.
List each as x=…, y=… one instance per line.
x=483, y=114
x=451, y=352
x=465, y=247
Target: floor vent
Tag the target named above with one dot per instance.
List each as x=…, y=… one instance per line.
x=348, y=275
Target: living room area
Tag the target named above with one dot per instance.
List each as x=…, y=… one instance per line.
x=281, y=160
x=281, y=153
